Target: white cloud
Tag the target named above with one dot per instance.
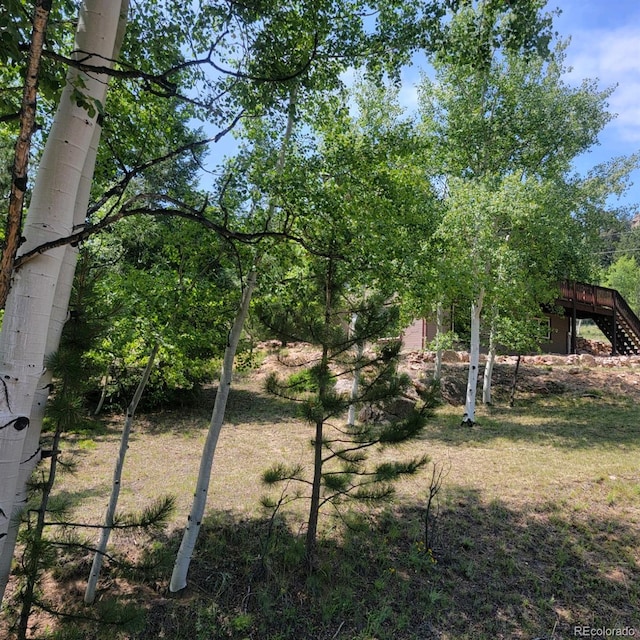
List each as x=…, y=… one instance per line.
x=613, y=57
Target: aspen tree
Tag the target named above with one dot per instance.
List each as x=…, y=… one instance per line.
x=24, y=340
x=190, y=535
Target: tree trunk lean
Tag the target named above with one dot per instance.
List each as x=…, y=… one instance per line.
x=474, y=362
x=194, y=521
x=31, y=452
x=90, y=592
x=488, y=369
x=25, y=329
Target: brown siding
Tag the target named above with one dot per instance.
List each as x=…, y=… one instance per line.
x=421, y=332
x=559, y=340
x=413, y=336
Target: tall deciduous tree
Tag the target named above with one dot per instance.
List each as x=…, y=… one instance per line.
x=506, y=129
x=320, y=42
x=196, y=515
x=624, y=275
x=90, y=592
x=36, y=306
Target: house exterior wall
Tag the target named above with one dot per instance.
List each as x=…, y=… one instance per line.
x=418, y=335
x=559, y=335
x=413, y=337
x=420, y=332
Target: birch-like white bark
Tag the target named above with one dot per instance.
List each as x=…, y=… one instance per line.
x=437, y=372
x=474, y=362
x=90, y=592
x=31, y=450
x=194, y=521
x=488, y=369
x=25, y=329
x=355, y=386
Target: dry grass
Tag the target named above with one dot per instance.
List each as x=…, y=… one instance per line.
x=538, y=529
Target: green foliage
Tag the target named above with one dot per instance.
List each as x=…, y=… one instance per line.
x=357, y=200
x=403, y=430
x=15, y=31
x=159, y=289
x=153, y=517
x=41, y=551
x=504, y=131
x=302, y=381
x=343, y=469
x=280, y=472
x=175, y=382
x=624, y=275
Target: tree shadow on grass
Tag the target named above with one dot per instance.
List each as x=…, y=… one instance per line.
x=562, y=420
x=243, y=406
x=493, y=572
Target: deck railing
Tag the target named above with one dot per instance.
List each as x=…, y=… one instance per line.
x=589, y=294
x=598, y=298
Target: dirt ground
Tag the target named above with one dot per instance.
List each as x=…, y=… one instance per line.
x=590, y=372
x=581, y=375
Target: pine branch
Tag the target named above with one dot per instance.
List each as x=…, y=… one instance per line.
x=153, y=516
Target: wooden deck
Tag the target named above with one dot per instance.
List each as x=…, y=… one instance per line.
x=608, y=309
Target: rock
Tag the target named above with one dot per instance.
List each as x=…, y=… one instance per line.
x=393, y=411
x=587, y=360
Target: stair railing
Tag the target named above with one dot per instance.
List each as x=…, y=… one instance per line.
x=628, y=315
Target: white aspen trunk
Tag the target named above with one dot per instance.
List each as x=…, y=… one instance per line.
x=32, y=442
x=488, y=369
x=31, y=456
x=31, y=451
x=437, y=372
x=351, y=416
x=474, y=362
x=25, y=337
x=194, y=521
x=90, y=593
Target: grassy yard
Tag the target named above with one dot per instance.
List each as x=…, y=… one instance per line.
x=536, y=532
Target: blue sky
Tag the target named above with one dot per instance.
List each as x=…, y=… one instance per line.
x=605, y=44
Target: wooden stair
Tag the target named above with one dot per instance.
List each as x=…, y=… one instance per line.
x=608, y=309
